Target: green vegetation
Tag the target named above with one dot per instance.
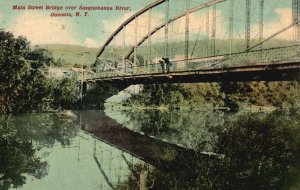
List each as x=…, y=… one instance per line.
x=253, y=151
x=24, y=82
x=233, y=95
x=70, y=55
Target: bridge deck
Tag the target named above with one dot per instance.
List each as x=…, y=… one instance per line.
x=284, y=71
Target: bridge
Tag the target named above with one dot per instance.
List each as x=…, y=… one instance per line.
x=203, y=41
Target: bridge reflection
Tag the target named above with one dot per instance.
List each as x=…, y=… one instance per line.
x=153, y=151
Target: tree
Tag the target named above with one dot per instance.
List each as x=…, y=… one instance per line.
x=24, y=85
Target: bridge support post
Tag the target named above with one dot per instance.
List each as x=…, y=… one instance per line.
x=167, y=29
x=123, y=58
x=149, y=41
x=135, y=48
x=261, y=27
x=84, y=88
x=248, y=23
x=214, y=30
x=231, y=25
x=296, y=20
x=207, y=31
x=187, y=22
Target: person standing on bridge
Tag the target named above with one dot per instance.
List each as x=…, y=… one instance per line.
x=162, y=64
x=167, y=63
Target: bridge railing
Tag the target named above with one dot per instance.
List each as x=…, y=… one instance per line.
x=255, y=57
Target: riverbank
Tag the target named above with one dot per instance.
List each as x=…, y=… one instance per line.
x=234, y=96
x=243, y=108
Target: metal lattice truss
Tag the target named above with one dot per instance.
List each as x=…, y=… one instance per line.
x=195, y=34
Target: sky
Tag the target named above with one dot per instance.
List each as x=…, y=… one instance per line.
x=92, y=30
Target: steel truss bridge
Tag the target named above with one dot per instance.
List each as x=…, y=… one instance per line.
x=205, y=41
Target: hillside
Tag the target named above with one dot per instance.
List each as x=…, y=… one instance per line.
x=71, y=53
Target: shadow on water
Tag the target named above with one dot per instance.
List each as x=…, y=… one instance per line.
x=248, y=151
x=21, y=138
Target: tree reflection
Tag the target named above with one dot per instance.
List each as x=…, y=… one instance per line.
x=21, y=137
x=46, y=129
x=153, y=122
x=189, y=129
x=254, y=151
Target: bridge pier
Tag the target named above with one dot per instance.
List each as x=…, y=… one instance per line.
x=84, y=87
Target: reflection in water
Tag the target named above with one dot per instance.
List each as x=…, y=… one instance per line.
x=240, y=151
x=150, y=150
x=249, y=151
x=17, y=157
x=44, y=151
x=21, y=137
x=188, y=129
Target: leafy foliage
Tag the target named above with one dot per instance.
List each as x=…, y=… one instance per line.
x=64, y=92
x=233, y=95
x=24, y=82
x=157, y=95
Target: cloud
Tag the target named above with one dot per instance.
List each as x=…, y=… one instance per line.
x=43, y=29
x=91, y=43
x=197, y=24
x=111, y=25
x=284, y=16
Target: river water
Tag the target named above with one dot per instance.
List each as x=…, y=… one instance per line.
x=160, y=149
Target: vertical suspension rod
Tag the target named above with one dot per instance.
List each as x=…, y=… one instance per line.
x=135, y=42
x=123, y=60
x=261, y=27
x=261, y=22
x=248, y=23
x=167, y=29
x=214, y=30
x=207, y=32
x=149, y=36
x=231, y=15
x=296, y=19
x=187, y=21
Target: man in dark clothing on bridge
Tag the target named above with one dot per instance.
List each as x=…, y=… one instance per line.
x=168, y=64
x=162, y=64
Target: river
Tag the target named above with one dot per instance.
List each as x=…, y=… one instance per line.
x=158, y=149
